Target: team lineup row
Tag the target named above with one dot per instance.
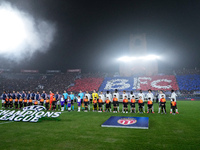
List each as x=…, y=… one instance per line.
x=58, y=101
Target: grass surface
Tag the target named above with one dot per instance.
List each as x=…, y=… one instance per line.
x=83, y=131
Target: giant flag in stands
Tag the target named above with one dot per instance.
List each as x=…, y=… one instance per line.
x=164, y=82
x=120, y=83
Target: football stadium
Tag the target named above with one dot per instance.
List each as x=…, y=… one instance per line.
x=99, y=75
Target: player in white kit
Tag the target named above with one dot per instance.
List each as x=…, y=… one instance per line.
x=142, y=97
x=159, y=97
x=117, y=96
x=173, y=96
x=103, y=98
x=123, y=97
x=109, y=97
x=150, y=95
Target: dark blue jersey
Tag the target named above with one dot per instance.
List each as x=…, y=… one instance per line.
x=37, y=97
x=4, y=96
x=23, y=95
x=44, y=95
x=18, y=95
x=28, y=96
x=13, y=95
x=33, y=96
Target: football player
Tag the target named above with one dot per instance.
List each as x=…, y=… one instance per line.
x=108, y=103
x=159, y=97
x=89, y=97
x=103, y=99
x=133, y=104
x=100, y=102
x=72, y=100
x=115, y=104
x=141, y=105
x=86, y=103
x=117, y=96
x=163, y=102
x=125, y=104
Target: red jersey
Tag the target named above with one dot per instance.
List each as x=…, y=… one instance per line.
x=132, y=100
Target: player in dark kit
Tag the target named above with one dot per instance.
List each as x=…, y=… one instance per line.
x=95, y=104
x=41, y=101
x=133, y=104
x=25, y=102
x=30, y=102
x=54, y=103
x=108, y=104
x=10, y=102
x=173, y=106
x=47, y=103
x=100, y=103
x=141, y=105
x=115, y=104
x=149, y=105
x=125, y=104
x=86, y=101
x=20, y=102
x=162, y=103
x=16, y=103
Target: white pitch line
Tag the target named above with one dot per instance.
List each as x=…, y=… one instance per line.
x=6, y=122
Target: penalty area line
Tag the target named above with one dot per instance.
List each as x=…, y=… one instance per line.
x=6, y=122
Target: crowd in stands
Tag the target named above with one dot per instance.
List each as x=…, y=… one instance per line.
x=186, y=82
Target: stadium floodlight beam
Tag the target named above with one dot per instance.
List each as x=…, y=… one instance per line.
x=129, y=59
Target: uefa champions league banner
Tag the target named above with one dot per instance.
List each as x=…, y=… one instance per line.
x=127, y=122
x=165, y=82
x=28, y=114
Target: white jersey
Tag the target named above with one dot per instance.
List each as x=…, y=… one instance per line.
x=109, y=97
x=88, y=95
x=150, y=95
x=160, y=96
x=123, y=96
x=131, y=95
x=173, y=95
x=62, y=99
x=142, y=95
x=117, y=95
x=102, y=97
x=78, y=100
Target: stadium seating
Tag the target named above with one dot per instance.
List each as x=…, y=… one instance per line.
x=188, y=82
x=86, y=84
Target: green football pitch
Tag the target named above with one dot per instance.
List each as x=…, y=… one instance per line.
x=82, y=130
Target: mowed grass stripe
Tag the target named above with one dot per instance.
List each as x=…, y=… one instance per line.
x=83, y=131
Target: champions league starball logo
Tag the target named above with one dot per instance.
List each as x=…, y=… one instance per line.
x=127, y=121
x=28, y=114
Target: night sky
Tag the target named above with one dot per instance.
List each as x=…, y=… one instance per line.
x=92, y=34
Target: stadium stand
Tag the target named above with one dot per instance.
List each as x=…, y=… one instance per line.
x=86, y=84
x=188, y=83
